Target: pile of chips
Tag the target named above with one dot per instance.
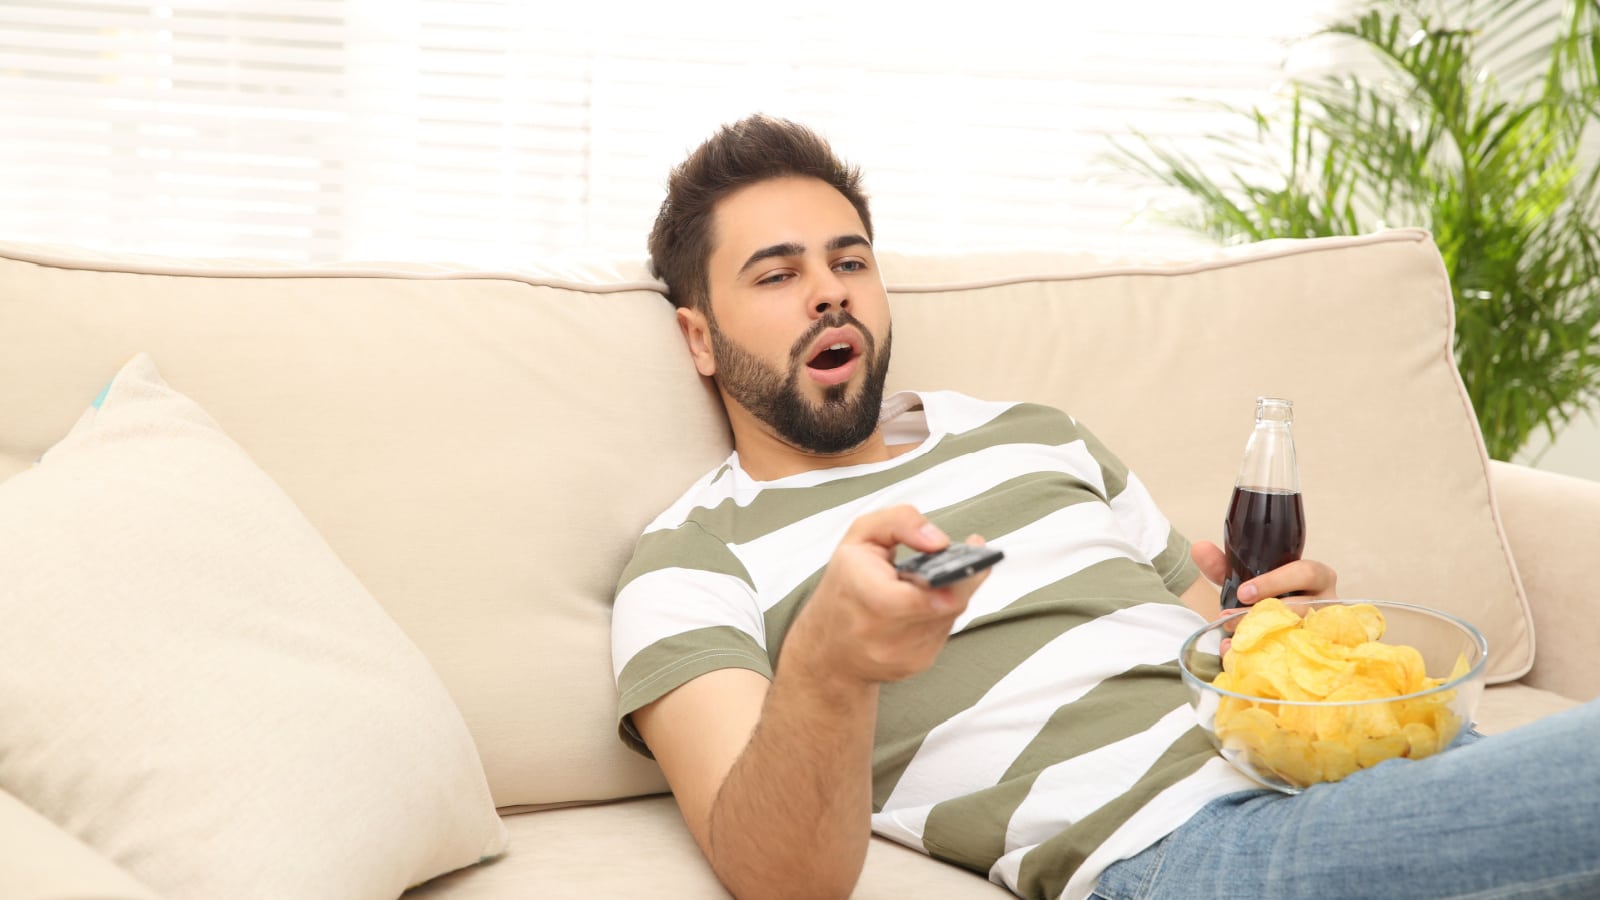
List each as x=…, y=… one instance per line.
x=1332, y=655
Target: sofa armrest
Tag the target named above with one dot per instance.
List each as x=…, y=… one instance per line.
x=1552, y=522
x=42, y=862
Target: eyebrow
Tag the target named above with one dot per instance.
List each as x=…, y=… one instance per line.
x=791, y=248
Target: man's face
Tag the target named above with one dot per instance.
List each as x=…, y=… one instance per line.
x=799, y=323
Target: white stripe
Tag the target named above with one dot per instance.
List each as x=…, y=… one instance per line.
x=1045, y=551
x=906, y=825
x=972, y=749
x=1153, y=821
x=955, y=413
x=903, y=826
x=1140, y=519
x=670, y=601
x=780, y=560
x=1071, y=789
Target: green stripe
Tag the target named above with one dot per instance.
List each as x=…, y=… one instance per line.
x=988, y=650
x=1112, y=469
x=1120, y=581
x=1176, y=566
x=674, y=661
x=1046, y=868
x=781, y=616
x=995, y=513
x=1118, y=708
x=687, y=546
x=1012, y=505
x=971, y=830
x=777, y=507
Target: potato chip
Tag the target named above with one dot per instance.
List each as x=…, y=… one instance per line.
x=1375, y=750
x=1316, y=664
x=1300, y=719
x=1336, y=759
x=1291, y=756
x=1350, y=626
x=1373, y=720
x=1249, y=729
x=1401, y=664
x=1326, y=668
x=1423, y=740
x=1267, y=616
x=1445, y=725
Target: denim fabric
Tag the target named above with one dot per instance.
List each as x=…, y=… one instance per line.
x=1511, y=815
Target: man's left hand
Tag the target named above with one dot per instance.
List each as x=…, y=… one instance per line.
x=1307, y=576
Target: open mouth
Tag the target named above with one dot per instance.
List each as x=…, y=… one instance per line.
x=832, y=357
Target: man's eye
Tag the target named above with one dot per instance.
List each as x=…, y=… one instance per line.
x=774, y=278
x=850, y=265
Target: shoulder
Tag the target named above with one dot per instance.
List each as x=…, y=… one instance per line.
x=708, y=492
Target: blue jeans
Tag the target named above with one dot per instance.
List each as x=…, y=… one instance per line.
x=1511, y=815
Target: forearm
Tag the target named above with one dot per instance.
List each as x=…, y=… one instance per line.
x=793, y=817
x=775, y=778
x=1203, y=599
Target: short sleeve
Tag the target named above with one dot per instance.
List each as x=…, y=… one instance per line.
x=684, y=607
x=1140, y=519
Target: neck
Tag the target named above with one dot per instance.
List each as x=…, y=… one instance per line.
x=764, y=456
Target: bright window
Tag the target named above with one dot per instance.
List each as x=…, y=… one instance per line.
x=495, y=132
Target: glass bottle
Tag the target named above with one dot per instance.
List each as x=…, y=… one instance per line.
x=1266, y=522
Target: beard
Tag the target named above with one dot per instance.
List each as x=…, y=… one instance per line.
x=839, y=423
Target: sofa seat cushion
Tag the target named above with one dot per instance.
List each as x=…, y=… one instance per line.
x=1509, y=706
x=641, y=848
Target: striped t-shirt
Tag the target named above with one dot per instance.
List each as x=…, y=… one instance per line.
x=1052, y=736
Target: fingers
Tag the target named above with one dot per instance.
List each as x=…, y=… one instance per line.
x=1305, y=577
x=863, y=622
x=1210, y=559
x=897, y=525
x=951, y=600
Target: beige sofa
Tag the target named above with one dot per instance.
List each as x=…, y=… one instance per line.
x=482, y=448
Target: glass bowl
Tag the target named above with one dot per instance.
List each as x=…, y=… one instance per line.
x=1288, y=745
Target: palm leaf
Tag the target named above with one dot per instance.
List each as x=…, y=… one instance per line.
x=1470, y=132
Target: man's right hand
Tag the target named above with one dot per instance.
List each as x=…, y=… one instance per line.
x=863, y=624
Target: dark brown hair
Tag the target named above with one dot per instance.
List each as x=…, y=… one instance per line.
x=751, y=150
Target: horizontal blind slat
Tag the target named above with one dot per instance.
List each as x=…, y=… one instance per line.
x=496, y=128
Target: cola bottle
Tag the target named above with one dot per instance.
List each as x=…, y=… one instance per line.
x=1266, y=522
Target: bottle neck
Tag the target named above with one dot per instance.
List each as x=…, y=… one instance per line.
x=1269, y=459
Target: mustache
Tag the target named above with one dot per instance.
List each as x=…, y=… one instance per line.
x=833, y=318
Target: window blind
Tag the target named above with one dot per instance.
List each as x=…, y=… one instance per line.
x=498, y=132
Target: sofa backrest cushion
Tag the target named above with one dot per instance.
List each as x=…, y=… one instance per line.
x=482, y=449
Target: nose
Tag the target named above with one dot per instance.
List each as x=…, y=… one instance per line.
x=831, y=293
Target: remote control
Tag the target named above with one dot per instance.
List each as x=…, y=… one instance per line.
x=947, y=566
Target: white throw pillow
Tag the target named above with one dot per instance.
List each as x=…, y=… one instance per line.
x=193, y=683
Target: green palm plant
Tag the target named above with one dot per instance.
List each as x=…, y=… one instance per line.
x=1479, y=129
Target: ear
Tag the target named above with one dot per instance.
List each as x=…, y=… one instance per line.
x=697, y=334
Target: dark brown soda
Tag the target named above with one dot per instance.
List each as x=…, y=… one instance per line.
x=1264, y=529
